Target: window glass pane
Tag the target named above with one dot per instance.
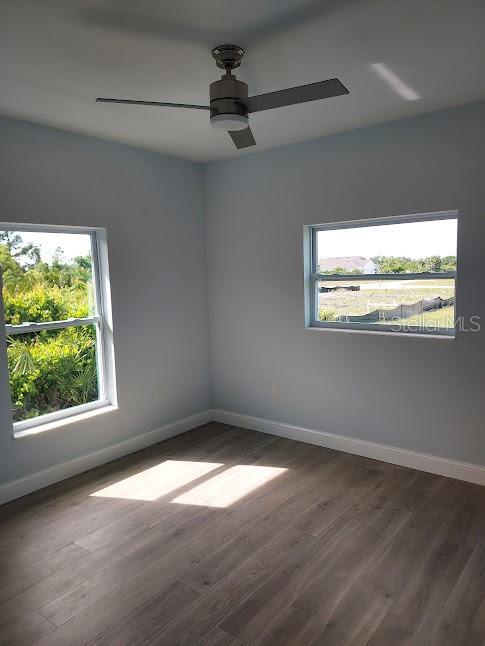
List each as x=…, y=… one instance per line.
x=411, y=247
x=405, y=304
x=52, y=370
x=46, y=276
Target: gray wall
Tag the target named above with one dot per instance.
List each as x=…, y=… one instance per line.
x=152, y=207
x=416, y=393
x=421, y=394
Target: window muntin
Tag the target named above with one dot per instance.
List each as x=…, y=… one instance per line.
x=55, y=323
x=391, y=274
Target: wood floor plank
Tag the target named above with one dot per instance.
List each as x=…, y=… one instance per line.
x=323, y=512
x=212, y=607
x=150, y=557
x=291, y=628
x=467, y=526
x=187, y=524
x=245, y=544
x=328, y=584
x=336, y=549
x=154, y=513
x=218, y=637
x=68, y=527
x=24, y=630
x=199, y=531
x=419, y=537
x=22, y=510
x=15, y=581
x=353, y=620
x=252, y=617
x=463, y=618
x=384, y=493
x=144, y=624
x=38, y=544
x=416, y=492
x=196, y=620
x=342, y=474
x=413, y=617
x=111, y=610
x=55, y=585
x=67, y=498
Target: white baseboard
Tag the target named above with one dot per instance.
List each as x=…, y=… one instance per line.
x=41, y=479
x=412, y=459
x=384, y=452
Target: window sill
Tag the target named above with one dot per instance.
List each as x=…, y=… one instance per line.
x=43, y=427
x=420, y=335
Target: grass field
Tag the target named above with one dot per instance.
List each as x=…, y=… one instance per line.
x=443, y=317
x=386, y=295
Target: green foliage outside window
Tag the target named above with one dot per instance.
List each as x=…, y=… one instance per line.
x=55, y=369
x=400, y=265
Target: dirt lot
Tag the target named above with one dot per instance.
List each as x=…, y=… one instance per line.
x=386, y=295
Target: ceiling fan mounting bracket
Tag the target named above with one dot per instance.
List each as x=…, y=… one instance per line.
x=228, y=57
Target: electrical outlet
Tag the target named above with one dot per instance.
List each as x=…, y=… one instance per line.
x=160, y=393
x=275, y=391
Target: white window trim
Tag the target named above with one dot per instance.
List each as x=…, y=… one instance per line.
x=312, y=276
x=102, y=319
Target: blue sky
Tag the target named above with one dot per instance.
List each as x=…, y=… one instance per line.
x=412, y=239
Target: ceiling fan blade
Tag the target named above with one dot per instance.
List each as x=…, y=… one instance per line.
x=301, y=94
x=153, y=103
x=243, y=138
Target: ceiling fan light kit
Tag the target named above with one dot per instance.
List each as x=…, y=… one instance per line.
x=230, y=103
x=229, y=121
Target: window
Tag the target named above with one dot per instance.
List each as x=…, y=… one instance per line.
x=386, y=274
x=57, y=322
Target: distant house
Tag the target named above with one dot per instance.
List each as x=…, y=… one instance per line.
x=349, y=263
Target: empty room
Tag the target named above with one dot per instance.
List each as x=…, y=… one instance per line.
x=242, y=382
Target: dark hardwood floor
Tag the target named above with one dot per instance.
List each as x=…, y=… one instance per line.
x=223, y=537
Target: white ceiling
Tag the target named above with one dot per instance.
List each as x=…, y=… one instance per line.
x=56, y=56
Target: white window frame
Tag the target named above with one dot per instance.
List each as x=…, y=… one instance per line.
x=312, y=276
x=101, y=319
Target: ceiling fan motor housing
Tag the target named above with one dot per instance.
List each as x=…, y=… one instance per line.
x=228, y=96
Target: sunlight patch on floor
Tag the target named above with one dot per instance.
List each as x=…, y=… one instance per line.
x=229, y=486
x=157, y=481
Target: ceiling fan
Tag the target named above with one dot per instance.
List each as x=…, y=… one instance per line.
x=229, y=101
